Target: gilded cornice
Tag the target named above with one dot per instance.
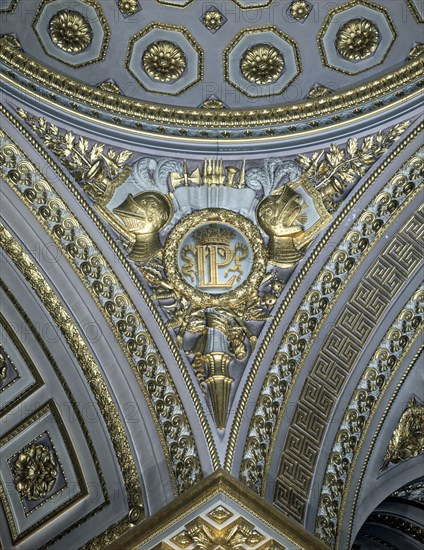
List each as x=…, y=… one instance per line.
x=363, y=406
x=121, y=315
x=16, y=61
x=223, y=484
x=253, y=473
x=80, y=350
x=359, y=482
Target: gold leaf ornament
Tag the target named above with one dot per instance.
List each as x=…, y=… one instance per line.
x=299, y=9
x=3, y=369
x=357, y=39
x=128, y=7
x=262, y=64
x=408, y=438
x=213, y=20
x=70, y=31
x=164, y=61
x=35, y=472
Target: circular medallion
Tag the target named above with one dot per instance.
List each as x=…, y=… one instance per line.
x=215, y=257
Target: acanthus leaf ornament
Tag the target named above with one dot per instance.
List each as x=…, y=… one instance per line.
x=35, y=472
x=372, y=384
x=302, y=330
x=218, y=327
x=408, y=438
x=262, y=64
x=123, y=317
x=357, y=39
x=164, y=61
x=70, y=31
x=209, y=270
x=3, y=369
x=97, y=170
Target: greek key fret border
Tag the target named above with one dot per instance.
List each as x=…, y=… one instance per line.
x=375, y=379
x=146, y=362
x=303, y=320
x=339, y=353
x=298, y=339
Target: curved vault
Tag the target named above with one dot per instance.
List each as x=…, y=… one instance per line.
x=249, y=364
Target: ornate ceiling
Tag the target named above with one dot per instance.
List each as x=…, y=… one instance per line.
x=211, y=295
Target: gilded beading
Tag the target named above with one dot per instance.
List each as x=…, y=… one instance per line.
x=164, y=60
x=223, y=485
x=261, y=63
x=148, y=365
x=11, y=8
x=134, y=278
x=363, y=404
x=399, y=524
x=307, y=323
x=417, y=15
x=411, y=491
x=297, y=342
x=97, y=98
x=235, y=297
x=343, y=342
x=73, y=31
x=357, y=39
x=78, y=346
x=364, y=43
x=18, y=536
x=196, y=311
x=252, y=5
x=70, y=31
x=3, y=369
x=240, y=533
x=99, y=172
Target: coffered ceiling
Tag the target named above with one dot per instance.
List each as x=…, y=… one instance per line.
x=211, y=296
